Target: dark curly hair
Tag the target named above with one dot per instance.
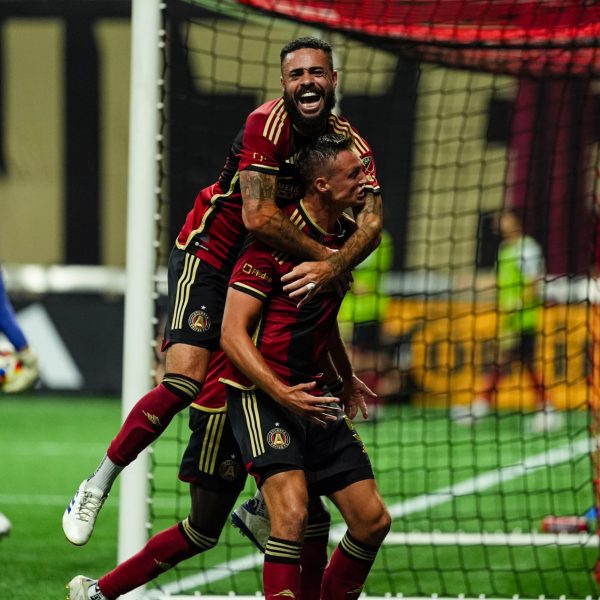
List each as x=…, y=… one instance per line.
x=307, y=42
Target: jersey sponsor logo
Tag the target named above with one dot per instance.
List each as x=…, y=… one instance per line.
x=229, y=470
x=199, y=321
x=278, y=438
x=287, y=593
x=249, y=269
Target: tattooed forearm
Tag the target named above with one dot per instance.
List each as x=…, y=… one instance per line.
x=258, y=186
x=364, y=240
x=266, y=221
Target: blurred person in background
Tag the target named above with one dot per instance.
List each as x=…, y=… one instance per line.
x=520, y=273
x=361, y=319
x=22, y=372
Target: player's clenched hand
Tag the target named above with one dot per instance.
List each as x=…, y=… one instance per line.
x=317, y=409
x=354, y=397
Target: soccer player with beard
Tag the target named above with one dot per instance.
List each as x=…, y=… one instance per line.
x=258, y=179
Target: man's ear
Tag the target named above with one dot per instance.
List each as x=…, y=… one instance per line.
x=321, y=184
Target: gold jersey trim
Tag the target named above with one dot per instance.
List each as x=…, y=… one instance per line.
x=237, y=284
x=184, y=286
x=272, y=118
x=235, y=384
x=212, y=440
x=213, y=202
x=208, y=409
x=250, y=407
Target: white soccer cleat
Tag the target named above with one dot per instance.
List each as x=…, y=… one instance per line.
x=252, y=520
x=23, y=373
x=84, y=588
x=80, y=516
x=5, y=525
x=23, y=378
x=546, y=420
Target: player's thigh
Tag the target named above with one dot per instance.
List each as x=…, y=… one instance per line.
x=286, y=495
x=191, y=361
x=211, y=509
x=197, y=294
x=271, y=438
x=212, y=464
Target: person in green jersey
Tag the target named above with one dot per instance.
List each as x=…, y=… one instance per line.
x=519, y=277
x=361, y=318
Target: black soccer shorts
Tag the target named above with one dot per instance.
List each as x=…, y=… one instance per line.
x=272, y=439
x=197, y=294
x=212, y=459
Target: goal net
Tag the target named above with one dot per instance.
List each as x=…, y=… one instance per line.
x=484, y=351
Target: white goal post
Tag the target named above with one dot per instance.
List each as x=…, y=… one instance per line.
x=139, y=305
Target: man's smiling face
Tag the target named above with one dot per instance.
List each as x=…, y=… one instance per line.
x=308, y=83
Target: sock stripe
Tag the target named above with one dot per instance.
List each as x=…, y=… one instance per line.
x=283, y=551
x=184, y=387
x=315, y=530
x=204, y=542
x=357, y=550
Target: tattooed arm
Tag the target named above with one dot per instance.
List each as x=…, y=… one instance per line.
x=267, y=222
x=362, y=242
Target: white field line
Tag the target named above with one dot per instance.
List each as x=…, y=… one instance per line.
x=155, y=595
x=462, y=538
x=413, y=505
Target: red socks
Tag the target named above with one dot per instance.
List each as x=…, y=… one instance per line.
x=163, y=551
x=151, y=416
x=281, y=570
x=313, y=559
x=348, y=568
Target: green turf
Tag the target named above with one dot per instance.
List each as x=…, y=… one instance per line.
x=48, y=444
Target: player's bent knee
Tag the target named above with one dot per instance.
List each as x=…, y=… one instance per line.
x=373, y=527
x=289, y=524
x=383, y=525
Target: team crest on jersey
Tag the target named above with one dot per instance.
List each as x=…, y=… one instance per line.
x=199, y=321
x=367, y=162
x=278, y=438
x=229, y=470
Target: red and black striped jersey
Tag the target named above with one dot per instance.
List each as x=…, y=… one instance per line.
x=292, y=340
x=267, y=143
